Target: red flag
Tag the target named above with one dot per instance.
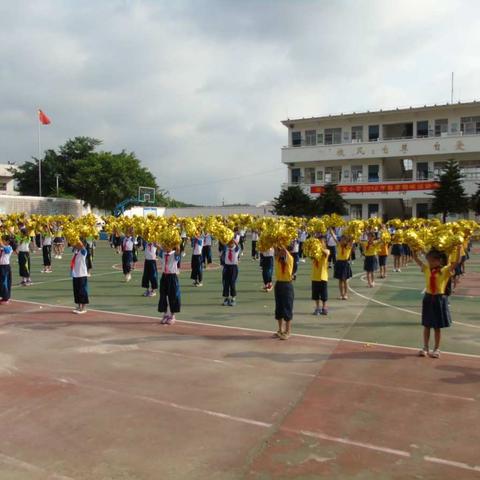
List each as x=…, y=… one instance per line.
x=44, y=120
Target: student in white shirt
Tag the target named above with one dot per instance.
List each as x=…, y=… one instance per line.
x=46, y=241
x=5, y=270
x=128, y=243
x=207, y=250
x=78, y=267
x=243, y=237
x=230, y=273
x=254, y=245
x=332, y=241
x=302, y=236
x=266, y=262
x=150, y=272
x=294, y=250
x=197, y=266
x=23, y=249
x=170, y=296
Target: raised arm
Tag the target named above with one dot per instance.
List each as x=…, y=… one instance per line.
x=417, y=260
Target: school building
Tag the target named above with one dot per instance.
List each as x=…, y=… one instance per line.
x=385, y=163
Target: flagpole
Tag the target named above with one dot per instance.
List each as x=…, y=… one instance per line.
x=39, y=159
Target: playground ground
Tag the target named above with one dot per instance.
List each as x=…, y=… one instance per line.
x=114, y=395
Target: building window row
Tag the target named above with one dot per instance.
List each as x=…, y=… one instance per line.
x=391, y=131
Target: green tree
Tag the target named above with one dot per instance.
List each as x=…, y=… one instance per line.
x=450, y=196
x=475, y=201
x=293, y=201
x=330, y=201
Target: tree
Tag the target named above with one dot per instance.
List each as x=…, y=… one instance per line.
x=293, y=201
x=475, y=201
x=330, y=201
x=100, y=178
x=450, y=196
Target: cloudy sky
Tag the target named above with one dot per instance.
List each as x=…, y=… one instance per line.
x=197, y=88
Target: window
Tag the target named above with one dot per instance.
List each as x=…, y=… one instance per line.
x=320, y=138
x=373, y=133
x=357, y=134
x=295, y=175
x=3, y=186
x=356, y=211
x=357, y=173
x=407, y=164
x=422, y=129
x=333, y=136
x=422, y=171
x=319, y=176
x=441, y=126
x=372, y=210
x=422, y=210
x=333, y=174
x=310, y=137
x=296, y=139
x=470, y=169
x=373, y=173
x=470, y=125
x=310, y=175
x=438, y=169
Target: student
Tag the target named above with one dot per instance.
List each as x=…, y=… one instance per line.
x=58, y=242
x=207, y=250
x=197, y=270
x=342, y=269
x=320, y=281
x=150, y=272
x=383, y=251
x=183, y=243
x=243, y=238
x=284, y=292
x=302, y=236
x=294, y=251
x=435, y=311
x=23, y=249
x=230, y=273
x=46, y=242
x=6, y=251
x=127, y=255
x=90, y=247
x=457, y=257
x=370, y=264
x=266, y=263
x=170, y=296
x=332, y=241
x=397, y=251
x=78, y=267
x=254, y=245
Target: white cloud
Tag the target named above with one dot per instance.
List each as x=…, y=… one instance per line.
x=197, y=89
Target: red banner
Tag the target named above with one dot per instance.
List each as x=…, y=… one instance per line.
x=380, y=187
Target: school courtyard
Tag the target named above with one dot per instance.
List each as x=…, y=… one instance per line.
x=114, y=395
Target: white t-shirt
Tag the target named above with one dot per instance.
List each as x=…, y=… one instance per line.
x=231, y=255
x=47, y=241
x=79, y=266
x=150, y=251
x=269, y=253
x=254, y=236
x=197, y=245
x=207, y=240
x=127, y=245
x=331, y=239
x=5, y=254
x=294, y=246
x=303, y=236
x=24, y=246
x=169, y=261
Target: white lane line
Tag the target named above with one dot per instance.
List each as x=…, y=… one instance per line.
x=29, y=467
x=182, y=323
x=269, y=425
x=404, y=309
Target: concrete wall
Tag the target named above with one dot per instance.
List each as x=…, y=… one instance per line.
x=41, y=205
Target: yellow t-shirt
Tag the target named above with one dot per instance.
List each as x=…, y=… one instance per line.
x=320, y=268
x=370, y=249
x=284, y=270
x=455, y=256
x=343, y=253
x=383, y=249
x=440, y=279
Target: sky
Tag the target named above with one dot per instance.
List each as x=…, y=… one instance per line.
x=198, y=88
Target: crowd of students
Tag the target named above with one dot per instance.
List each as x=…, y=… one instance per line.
x=337, y=252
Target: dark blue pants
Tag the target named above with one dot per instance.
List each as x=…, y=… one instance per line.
x=5, y=282
x=229, y=278
x=150, y=274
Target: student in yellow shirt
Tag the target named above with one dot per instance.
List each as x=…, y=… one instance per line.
x=284, y=292
x=457, y=257
x=383, y=252
x=370, y=264
x=435, y=311
x=320, y=281
x=342, y=269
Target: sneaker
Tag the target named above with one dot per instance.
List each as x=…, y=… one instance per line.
x=153, y=293
x=316, y=312
x=171, y=320
x=195, y=283
x=165, y=319
x=146, y=293
x=436, y=353
x=81, y=312
x=277, y=334
x=233, y=302
x=4, y=302
x=226, y=302
x=284, y=336
x=324, y=311
x=423, y=352
x=128, y=277
x=199, y=285
x=43, y=270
